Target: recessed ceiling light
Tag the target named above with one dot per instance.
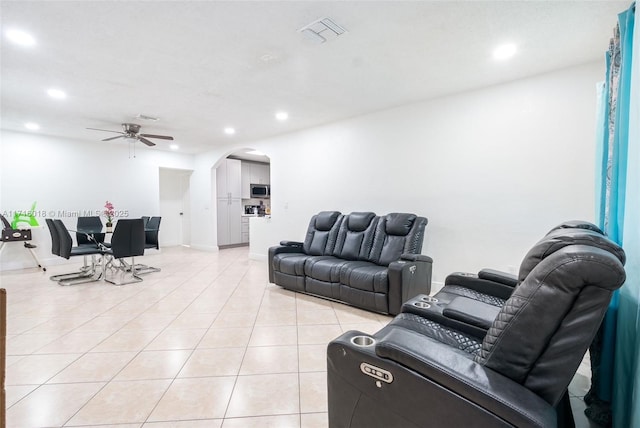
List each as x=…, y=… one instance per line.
x=255, y=152
x=229, y=131
x=32, y=126
x=57, y=94
x=504, y=51
x=282, y=115
x=174, y=147
x=21, y=38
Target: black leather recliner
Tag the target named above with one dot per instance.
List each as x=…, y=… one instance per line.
x=471, y=302
x=286, y=262
x=417, y=372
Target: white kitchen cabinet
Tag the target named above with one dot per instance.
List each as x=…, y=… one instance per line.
x=229, y=202
x=229, y=179
x=229, y=221
x=246, y=179
x=260, y=173
x=254, y=173
x=245, y=230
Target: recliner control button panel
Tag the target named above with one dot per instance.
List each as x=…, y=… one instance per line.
x=376, y=372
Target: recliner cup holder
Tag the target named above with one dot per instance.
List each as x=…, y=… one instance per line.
x=363, y=341
x=429, y=299
x=421, y=304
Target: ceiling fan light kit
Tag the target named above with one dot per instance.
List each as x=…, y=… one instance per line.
x=131, y=134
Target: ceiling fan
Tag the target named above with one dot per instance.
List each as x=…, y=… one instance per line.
x=131, y=131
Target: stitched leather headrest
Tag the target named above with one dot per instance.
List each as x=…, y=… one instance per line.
x=577, y=224
x=357, y=222
x=399, y=223
x=326, y=219
x=560, y=238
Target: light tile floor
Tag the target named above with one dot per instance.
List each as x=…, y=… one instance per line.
x=207, y=342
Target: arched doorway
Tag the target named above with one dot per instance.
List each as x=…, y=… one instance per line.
x=242, y=190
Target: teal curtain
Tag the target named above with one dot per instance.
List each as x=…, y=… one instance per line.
x=617, y=375
x=626, y=390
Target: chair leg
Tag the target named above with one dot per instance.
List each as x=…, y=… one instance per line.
x=85, y=271
x=122, y=273
x=91, y=275
x=145, y=269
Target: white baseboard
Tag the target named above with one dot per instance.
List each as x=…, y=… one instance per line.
x=257, y=256
x=28, y=264
x=208, y=248
x=436, y=286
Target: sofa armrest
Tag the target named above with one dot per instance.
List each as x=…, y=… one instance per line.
x=278, y=250
x=291, y=244
x=416, y=258
x=458, y=373
x=472, y=281
x=498, y=276
x=470, y=311
x=407, y=279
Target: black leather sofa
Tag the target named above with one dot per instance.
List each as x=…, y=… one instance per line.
x=419, y=371
x=372, y=262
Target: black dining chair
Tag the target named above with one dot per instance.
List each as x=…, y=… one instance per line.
x=55, y=250
x=89, y=230
x=67, y=250
x=55, y=241
x=128, y=241
x=151, y=231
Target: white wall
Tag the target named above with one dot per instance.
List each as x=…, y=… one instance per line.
x=66, y=177
x=491, y=169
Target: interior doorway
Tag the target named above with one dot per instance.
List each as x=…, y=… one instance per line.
x=175, y=207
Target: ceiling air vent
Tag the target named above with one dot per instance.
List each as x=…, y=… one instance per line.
x=322, y=30
x=149, y=118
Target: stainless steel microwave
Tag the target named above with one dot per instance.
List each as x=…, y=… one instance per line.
x=260, y=191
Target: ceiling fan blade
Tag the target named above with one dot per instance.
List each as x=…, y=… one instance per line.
x=145, y=141
x=113, y=138
x=162, y=137
x=105, y=130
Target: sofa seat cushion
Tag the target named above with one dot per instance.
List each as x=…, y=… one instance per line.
x=322, y=288
x=365, y=276
x=290, y=263
x=442, y=333
x=324, y=268
x=451, y=291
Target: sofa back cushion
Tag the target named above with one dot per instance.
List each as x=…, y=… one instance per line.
x=577, y=224
x=560, y=238
x=322, y=233
x=396, y=234
x=355, y=237
x=541, y=333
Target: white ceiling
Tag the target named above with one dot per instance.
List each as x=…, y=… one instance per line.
x=201, y=66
